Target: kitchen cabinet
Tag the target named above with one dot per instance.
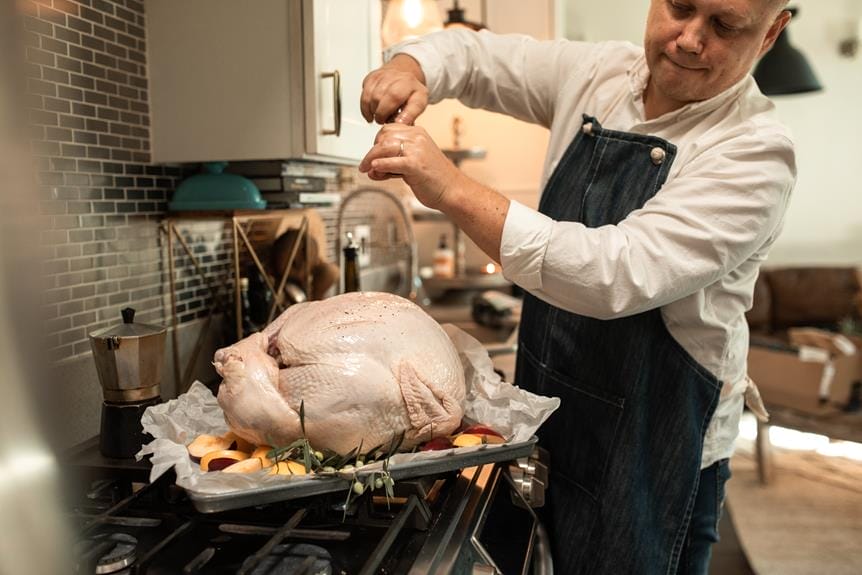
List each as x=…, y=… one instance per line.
x=271, y=79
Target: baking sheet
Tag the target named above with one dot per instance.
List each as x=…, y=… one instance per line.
x=515, y=413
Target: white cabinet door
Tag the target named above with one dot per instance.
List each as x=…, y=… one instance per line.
x=345, y=46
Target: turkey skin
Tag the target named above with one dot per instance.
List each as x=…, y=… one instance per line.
x=366, y=366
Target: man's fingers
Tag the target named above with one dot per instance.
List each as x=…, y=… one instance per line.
x=367, y=102
x=396, y=165
x=414, y=107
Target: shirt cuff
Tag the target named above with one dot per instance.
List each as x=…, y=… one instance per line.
x=429, y=60
x=523, y=246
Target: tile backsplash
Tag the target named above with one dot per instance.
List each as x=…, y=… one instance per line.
x=102, y=200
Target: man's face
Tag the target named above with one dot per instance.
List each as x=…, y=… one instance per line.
x=696, y=49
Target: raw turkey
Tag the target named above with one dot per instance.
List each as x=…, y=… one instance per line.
x=368, y=367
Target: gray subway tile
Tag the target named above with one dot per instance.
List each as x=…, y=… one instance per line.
x=83, y=110
x=54, y=45
x=69, y=280
x=122, y=155
x=104, y=33
x=82, y=54
x=81, y=236
x=92, y=222
x=72, y=122
x=135, y=6
x=69, y=64
x=41, y=57
x=56, y=105
x=59, y=134
x=92, y=193
x=70, y=93
x=82, y=81
x=78, y=207
x=93, y=42
x=57, y=76
x=62, y=164
x=76, y=23
x=98, y=152
x=74, y=151
x=106, y=87
x=125, y=14
x=95, y=98
x=104, y=6
x=89, y=166
x=85, y=318
x=93, y=70
x=120, y=78
x=82, y=137
x=92, y=15
x=51, y=15
x=115, y=50
x=67, y=35
x=115, y=24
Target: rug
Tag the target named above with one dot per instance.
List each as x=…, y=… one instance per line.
x=807, y=521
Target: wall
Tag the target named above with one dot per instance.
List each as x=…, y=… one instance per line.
x=824, y=220
x=515, y=150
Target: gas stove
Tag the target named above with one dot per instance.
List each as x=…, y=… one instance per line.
x=476, y=520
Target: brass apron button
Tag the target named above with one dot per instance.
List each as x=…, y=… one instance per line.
x=657, y=156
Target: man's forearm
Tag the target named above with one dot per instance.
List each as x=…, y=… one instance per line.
x=479, y=211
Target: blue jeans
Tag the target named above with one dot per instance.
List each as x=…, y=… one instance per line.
x=703, y=530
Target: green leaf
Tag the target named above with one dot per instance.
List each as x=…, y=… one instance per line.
x=276, y=452
x=369, y=454
x=396, y=443
x=302, y=416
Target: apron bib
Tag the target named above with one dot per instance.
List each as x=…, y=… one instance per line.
x=626, y=442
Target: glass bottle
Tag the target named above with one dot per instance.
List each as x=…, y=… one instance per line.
x=351, y=265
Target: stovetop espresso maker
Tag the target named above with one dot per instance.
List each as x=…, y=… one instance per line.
x=129, y=359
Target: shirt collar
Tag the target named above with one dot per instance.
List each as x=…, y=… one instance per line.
x=638, y=74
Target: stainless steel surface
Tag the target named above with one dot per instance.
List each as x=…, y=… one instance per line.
x=437, y=554
x=336, y=102
x=504, y=482
x=414, y=281
x=481, y=569
x=543, y=563
x=282, y=491
x=129, y=357
x=530, y=477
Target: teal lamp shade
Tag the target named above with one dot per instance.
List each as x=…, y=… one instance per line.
x=784, y=70
x=216, y=190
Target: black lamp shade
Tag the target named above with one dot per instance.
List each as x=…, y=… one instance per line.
x=784, y=70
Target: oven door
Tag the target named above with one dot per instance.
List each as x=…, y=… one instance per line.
x=508, y=537
x=485, y=527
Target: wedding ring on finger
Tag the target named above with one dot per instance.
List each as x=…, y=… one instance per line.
x=400, y=149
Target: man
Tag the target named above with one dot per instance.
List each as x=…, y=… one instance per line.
x=666, y=182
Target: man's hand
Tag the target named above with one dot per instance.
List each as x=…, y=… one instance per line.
x=394, y=92
x=409, y=152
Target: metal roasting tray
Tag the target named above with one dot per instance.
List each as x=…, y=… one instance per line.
x=295, y=489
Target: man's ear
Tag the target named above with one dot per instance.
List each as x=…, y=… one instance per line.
x=774, y=31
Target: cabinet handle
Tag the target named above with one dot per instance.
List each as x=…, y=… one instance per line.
x=336, y=102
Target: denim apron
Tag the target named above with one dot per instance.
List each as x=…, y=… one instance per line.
x=626, y=442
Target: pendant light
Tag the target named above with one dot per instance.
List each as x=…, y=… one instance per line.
x=406, y=19
x=455, y=18
x=784, y=69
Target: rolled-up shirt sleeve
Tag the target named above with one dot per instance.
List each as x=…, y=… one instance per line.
x=507, y=73
x=716, y=213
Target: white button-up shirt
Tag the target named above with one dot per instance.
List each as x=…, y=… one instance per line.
x=693, y=250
